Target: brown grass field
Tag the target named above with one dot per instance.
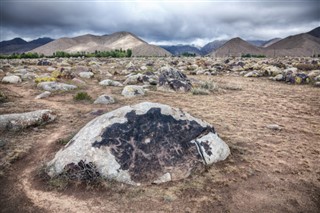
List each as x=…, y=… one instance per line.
x=267, y=171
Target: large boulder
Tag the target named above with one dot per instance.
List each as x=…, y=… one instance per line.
x=141, y=144
x=172, y=79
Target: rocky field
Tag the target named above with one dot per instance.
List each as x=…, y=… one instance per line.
x=266, y=110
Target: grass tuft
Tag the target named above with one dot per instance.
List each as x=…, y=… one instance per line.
x=82, y=96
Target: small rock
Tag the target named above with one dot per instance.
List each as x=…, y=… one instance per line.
x=97, y=112
x=86, y=74
x=109, y=82
x=252, y=74
x=317, y=84
x=132, y=79
x=55, y=86
x=78, y=81
x=104, y=99
x=50, y=69
x=274, y=127
x=2, y=143
x=314, y=73
x=132, y=91
x=279, y=77
x=43, y=95
x=12, y=79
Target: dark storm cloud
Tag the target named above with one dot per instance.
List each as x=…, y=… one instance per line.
x=159, y=21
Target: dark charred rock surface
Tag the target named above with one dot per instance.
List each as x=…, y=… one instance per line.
x=151, y=142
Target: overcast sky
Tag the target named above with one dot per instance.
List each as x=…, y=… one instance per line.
x=159, y=22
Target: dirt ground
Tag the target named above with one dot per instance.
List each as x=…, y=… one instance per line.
x=267, y=171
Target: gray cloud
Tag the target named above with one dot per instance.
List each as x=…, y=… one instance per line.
x=159, y=21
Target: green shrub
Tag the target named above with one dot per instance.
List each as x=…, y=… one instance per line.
x=82, y=96
x=3, y=97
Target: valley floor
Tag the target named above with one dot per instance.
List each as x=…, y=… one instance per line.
x=267, y=171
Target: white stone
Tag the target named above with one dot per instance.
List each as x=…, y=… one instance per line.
x=86, y=74
x=108, y=82
x=55, y=86
x=12, y=79
x=273, y=127
x=218, y=149
x=132, y=91
x=104, y=99
x=43, y=95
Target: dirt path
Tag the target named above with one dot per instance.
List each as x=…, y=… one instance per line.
x=268, y=171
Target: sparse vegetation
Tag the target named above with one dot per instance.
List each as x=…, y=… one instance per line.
x=117, y=53
x=3, y=97
x=186, y=54
x=44, y=79
x=72, y=174
x=252, y=56
x=209, y=85
x=22, y=55
x=82, y=96
x=199, y=91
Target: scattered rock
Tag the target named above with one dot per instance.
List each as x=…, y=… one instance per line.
x=172, y=79
x=86, y=75
x=313, y=74
x=133, y=145
x=132, y=91
x=11, y=79
x=18, y=121
x=78, y=81
x=132, y=79
x=44, y=63
x=2, y=143
x=109, y=82
x=104, y=99
x=274, y=127
x=252, y=74
x=279, y=77
x=55, y=86
x=43, y=95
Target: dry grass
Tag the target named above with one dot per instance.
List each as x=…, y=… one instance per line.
x=267, y=171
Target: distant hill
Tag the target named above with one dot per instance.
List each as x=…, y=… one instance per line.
x=257, y=43
x=180, y=49
x=270, y=42
x=315, y=32
x=236, y=47
x=298, y=45
x=91, y=43
x=18, y=45
x=303, y=45
x=212, y=46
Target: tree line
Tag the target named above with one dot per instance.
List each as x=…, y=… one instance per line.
x=117, y=53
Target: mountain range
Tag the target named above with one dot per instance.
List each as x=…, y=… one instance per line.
x=92, y=43
x=18, y=45
x=304, y=44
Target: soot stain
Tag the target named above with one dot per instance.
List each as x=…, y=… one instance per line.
x=147, y=143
